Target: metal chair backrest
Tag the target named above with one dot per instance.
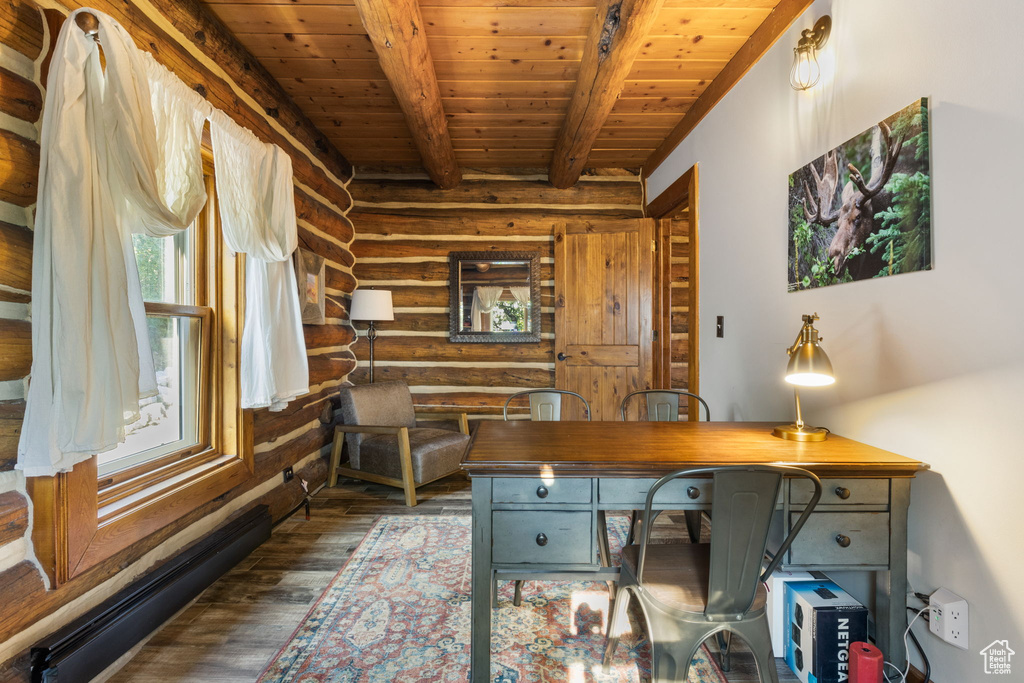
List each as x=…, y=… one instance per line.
x=742, y=505
x=663, y=404
x=546, y=404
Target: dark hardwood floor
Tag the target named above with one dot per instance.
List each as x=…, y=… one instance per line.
x=234, y=628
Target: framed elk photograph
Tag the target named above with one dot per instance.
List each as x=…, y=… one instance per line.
x=309, y=274
x=863, y=209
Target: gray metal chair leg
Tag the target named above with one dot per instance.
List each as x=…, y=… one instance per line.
x=755, y=634
x=604, y=550
x=673, y=645
x=603, y=547
x=636, y=525
x=617, y=622
x=724, y=641
x=693, y=519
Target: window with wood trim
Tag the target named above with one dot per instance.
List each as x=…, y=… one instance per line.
x=175, y=421
x=192, y=441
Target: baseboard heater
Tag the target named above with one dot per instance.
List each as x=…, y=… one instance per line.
x=83, y=649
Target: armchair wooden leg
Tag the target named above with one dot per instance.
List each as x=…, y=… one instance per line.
x=332, y=474
x=405, y=456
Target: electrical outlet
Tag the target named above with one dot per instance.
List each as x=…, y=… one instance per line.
x=289, y=474
x=948, y=617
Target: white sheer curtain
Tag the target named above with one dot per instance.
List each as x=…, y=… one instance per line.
x=484, y=300
x=109, y=165
x=257, y=210
x=521, y=294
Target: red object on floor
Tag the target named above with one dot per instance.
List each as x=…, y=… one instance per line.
x=865, y=663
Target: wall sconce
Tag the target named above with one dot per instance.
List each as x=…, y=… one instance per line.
x=806, y=72
x=808, y=366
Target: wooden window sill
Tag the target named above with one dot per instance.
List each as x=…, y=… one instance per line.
x=134, y=498
x=74, y=533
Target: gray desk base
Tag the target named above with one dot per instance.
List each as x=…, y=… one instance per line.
x=509, y=516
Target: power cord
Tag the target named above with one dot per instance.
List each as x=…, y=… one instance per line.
x=906, y=668
x=920, y=650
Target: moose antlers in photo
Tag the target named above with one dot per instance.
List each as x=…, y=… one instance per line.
x=855, y=213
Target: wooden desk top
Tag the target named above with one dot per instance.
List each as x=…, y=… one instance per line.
x=522, y=448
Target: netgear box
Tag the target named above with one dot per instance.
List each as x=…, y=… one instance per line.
x=822, y=620
x=776, y=606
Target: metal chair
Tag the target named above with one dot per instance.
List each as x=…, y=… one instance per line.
x=663, y=406
x=691, y=592
x=546, y=406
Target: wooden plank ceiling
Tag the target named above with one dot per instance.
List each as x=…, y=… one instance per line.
x=506, y=70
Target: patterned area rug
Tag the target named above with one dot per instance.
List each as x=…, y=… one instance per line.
x=399, y=611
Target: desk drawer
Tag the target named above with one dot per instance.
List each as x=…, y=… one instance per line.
x=633, y=492
x=535, y=536
x=822, y=540
x=509, y=490
x=841, y=492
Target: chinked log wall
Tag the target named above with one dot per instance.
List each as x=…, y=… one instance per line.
x=182, y=36
x=406, y=228
x=680, y=283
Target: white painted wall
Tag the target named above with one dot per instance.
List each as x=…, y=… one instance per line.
x=929, y=364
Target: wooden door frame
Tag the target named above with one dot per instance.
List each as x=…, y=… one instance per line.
x=681, y=194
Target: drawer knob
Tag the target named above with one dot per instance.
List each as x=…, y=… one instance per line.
x=842, y=492
x=542, y=539
x=693, y=492
x=843, y=540
x=542, y=491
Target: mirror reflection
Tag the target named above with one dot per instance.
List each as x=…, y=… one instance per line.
x=494, y=297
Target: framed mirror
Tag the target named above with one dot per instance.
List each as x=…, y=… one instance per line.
x=494, y=296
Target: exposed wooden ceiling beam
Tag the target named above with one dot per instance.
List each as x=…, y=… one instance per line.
x=395, y=28
x=616, y=36
x=760, y=41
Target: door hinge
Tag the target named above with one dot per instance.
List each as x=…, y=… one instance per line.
x=654, y=245
x=654, y=335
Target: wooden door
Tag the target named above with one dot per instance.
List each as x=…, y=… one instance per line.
x=604, y=306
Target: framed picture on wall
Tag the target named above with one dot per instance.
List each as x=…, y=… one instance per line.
x=863, y=209
x=309, y=273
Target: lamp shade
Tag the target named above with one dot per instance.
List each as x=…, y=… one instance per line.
x=371, y=304
x=809, y=366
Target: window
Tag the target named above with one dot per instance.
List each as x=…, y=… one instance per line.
x=175, y=419
x=190, y=288
x=509, y=315
x=192, y=442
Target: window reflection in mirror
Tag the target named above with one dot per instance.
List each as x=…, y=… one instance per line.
x=494, y=297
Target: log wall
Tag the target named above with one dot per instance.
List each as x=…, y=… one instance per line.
x=680, y=284
x=406, y=228
x=184, y=37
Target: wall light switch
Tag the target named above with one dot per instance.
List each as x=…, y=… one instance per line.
x=720, y=326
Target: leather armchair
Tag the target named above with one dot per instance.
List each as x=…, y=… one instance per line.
x=386, y=446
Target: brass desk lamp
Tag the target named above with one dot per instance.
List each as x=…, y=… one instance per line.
x=809, y=366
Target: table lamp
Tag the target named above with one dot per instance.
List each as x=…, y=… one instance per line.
x=809, y=366
x=372, y=305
